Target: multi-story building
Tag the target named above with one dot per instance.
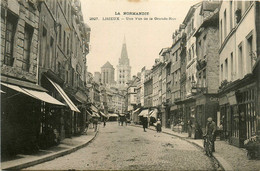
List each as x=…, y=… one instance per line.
x=181, y=101
x=156, y=73
x=138, y=90
x=97, y=77
x=132, y=94
x=62, y=59
x=192, y=22
x=107, y=74
x=176, y=72
x=115, y=100
x=19, y=56
x=123, y=68
x=238, y=54
x=148, y=90
x=142, y=79
x=207, y=85
x=37, y=57
x=164, y=106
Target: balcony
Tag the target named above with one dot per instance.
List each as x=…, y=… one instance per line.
x=198, y=89
x=201, y=63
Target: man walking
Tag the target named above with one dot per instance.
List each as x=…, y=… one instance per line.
x=145, y=123
x=210, y=130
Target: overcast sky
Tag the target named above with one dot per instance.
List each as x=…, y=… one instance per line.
x=144, y=39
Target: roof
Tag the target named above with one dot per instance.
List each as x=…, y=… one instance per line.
x=209, y=6
x=107, y=65
x=210, y=21
x=191, y=11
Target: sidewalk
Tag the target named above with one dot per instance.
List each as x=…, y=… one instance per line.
x=68, y=145
x=229, y=157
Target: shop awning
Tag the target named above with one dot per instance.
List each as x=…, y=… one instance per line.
x=96, y=114
x=144, y=113
x=136, y=110
x=103, y=114
x=43, y=96
x=64, y=96
x=154, y=113
x=90, y=113
x=112, y=115
x=94, y=108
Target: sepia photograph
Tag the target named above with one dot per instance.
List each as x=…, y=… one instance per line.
x=130, y=85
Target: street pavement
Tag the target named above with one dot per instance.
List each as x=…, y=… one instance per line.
x=129, y=148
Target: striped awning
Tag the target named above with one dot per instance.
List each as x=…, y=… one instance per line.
x=40, y=95
x=64, y=96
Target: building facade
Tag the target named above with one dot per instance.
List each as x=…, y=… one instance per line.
x=37, y=57
x=238, y=54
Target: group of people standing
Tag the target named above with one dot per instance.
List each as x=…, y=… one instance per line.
x=121, y=120
x=157, y=124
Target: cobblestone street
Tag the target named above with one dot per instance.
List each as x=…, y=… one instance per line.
x=126, y=147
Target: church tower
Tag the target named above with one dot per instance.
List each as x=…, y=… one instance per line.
x=107, y=74
x=123, y=68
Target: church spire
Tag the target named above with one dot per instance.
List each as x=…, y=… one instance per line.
x=124, y=56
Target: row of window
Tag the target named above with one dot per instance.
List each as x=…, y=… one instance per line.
x=235, y=11
x=244, y=62
x=11, y=21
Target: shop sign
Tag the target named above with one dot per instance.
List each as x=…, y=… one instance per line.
x=223, y=100
x=232, y=98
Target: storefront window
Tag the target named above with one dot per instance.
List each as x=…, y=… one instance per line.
x=235, y=121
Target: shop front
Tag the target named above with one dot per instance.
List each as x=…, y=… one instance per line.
x=66, y=117
x=25, y=109
x=190, y=113
x=206, y=106
x=238, y=111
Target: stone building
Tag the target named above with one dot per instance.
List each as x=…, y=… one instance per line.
x=123, y=68
x=132, y=94
x=19, y=55
x=142, y=79
x=62, y=60
x=206, y=87
x=148, y=90
x=156, y=73
x=238, y=54
x=107, y=74
x=176, y=48
x=40, y=62
x=164, y=53
x=116, y=100
x=97, y=77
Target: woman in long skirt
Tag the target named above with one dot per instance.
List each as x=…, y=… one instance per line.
x=158, y=126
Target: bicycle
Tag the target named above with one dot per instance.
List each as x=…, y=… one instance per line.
x=208, y=144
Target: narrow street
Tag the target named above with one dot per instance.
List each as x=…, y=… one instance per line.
x=127, y=148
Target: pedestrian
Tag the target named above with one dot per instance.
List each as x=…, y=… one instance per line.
x=95, y=122
x=145, y=123
x=104, y=122
x=181, y=126
x=125, y=121
x=210, y=131
x=86, y=128
x=221, y=130
x=158, y=125
x=118, y=120
x=189, y=124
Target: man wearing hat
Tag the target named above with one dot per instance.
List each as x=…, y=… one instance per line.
x=210, y=130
